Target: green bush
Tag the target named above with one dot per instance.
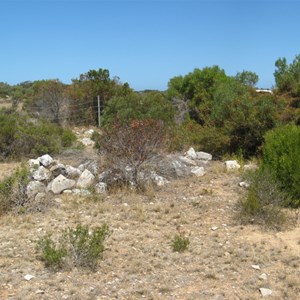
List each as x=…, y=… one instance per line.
x=80, y=247
x=87, y=248
x=13, y=190
x=180, y=243
x=209, y=139
x=281, y=157
x=263, y=202
x=131, y=107
x=51, y=254
x=21, y=136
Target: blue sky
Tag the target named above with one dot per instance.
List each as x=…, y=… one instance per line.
x=145, y=42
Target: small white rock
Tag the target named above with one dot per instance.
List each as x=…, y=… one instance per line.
x=256, y=267
x=265, y=292
x=214, y=228
x=244, y=184
x=232, y=165
x=263, y=276
x=28, y=277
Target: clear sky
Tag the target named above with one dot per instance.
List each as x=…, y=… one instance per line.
x=145, y=42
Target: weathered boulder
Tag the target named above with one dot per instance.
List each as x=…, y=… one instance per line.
x=85, y=180
x=198, y=171
x=46, y=160
x=72, y=172
x=87, y=141
x=171, y=166
x=204, y=156
x=34, y=187
x=33, y=164
x=60, y=183
x=191, y=153
x=232, y=165
x=41, y=174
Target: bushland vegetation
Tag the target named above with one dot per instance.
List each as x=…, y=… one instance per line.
x=206, y=108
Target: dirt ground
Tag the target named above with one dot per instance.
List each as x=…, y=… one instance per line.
x=139, y=262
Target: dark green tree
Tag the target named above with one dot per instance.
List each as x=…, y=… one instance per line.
x=152, y=105
x=247, y=78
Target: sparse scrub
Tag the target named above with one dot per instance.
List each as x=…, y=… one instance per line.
x=180, y=243
x=52, y=254
x=129, y=146
x=21, y=136
x=79, y=247
x=13, y=190
x=87, y=247
x=263, y=201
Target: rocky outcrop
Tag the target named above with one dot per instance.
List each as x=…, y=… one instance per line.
x=51, y=176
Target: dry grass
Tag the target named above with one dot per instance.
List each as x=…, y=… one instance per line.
x=139, y=262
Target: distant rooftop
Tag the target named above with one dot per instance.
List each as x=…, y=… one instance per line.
x=264, y=91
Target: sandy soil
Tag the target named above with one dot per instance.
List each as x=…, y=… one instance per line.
x=139, y=262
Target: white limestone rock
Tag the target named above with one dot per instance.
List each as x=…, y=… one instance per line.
x=34, y=187
x=191, y=153
x=72, y=172
x=232, y=165
x=198, y=171
x=41, y=174
x=33, y=164
x=60, y=183
x=87, y=141
x=85, y=180
x=204, y=156
x=244, y=184
x=265, y=292
x=46, y=160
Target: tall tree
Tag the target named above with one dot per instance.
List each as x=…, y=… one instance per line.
x=247, y=78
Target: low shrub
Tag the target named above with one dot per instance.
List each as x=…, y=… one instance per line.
x=21, y=136
x=263, y=202
x=51, y=254
x=129, y=146
x=209, y=139
x=79, y=247
x=281, y=157
x=180, y=243
x=86, y=247
x=13, y=190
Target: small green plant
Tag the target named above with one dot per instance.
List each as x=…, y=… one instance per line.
x=180, y=243
x=86, y=247
x=79, y=247
x=51, y=254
